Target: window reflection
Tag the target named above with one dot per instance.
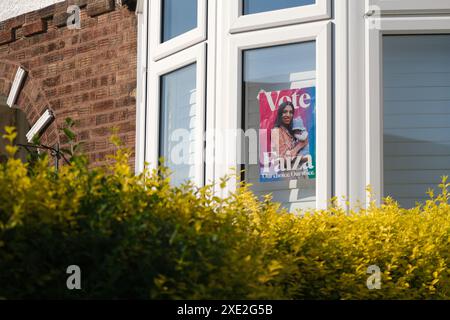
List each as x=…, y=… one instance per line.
x=257, y=6
x=179, y=16
x=279, y=104
x=178, y=123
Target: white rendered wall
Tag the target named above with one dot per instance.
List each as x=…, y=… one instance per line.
x=13, y=8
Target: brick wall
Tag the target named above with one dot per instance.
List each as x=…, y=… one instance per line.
x=87, y=74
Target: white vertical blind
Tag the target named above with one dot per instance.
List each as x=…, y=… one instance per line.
x=416, y=115
x=179, y=116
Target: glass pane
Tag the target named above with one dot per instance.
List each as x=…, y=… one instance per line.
x=179, y=16
x=416, y=115
x=256, y=6
x=178, y=123
x=279, y=121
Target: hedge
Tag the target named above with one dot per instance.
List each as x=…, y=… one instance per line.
x=139, y=237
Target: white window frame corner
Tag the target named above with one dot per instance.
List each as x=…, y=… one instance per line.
x=390, y=7
x=38, y=127
x=239, y=23
x=230, y=117
x=374, y=85
x=192, y=37
x=195, y=54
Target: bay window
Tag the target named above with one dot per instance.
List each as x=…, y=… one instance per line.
x=303, y=99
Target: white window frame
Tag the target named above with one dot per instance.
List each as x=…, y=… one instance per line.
x=160, y=50
x=374, y=85
x=196, y=54
x=142, y=58
x=229, y=108
x=239, y=22
x=409, y=6
x=16, y=86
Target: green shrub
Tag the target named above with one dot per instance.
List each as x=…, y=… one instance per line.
x=139, y=237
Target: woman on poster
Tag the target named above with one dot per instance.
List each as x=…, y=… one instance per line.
x=284, y=143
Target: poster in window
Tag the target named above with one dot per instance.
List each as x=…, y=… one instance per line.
x=287, y=142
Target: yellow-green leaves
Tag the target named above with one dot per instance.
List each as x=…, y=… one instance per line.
x=141, y=237
x=10, y=134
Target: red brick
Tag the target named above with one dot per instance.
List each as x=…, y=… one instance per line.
x=98, y=7
x=103, y=106
x=35, y=27
x=80, y=3
x=60, y=19
x=6, y=36
x=86, y=74
x=52, y=82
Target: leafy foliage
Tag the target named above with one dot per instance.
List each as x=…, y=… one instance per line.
x=140, y=237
